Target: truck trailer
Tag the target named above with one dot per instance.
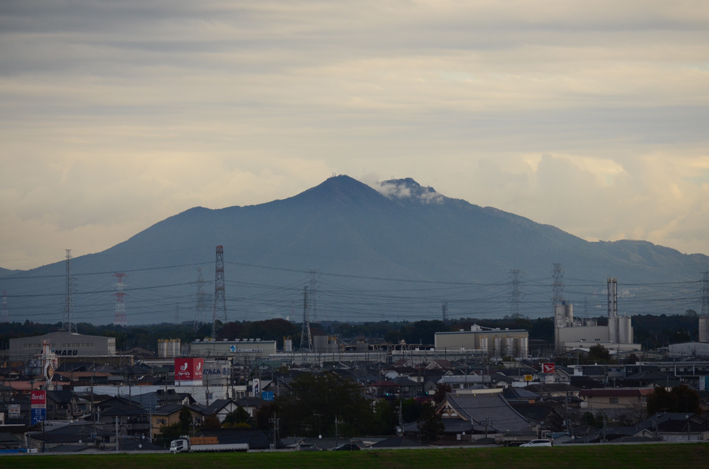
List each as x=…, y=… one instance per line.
x=204, y=444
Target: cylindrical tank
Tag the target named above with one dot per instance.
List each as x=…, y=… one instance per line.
x=613, y=329
x=483, y=344
x=522, y=347
x=510, y=346
x=288, y=344
x=704, y=329
x=168, y=348
x=498, y=346
x=624, y=331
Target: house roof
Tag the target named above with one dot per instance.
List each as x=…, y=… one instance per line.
x=674, y=422
x=60, y=397
x=123, y=410
x=478, y=407
x=615, y=392
x=250, y=402
x=218, y=405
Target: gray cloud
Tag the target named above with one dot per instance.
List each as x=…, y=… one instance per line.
x=114, y=115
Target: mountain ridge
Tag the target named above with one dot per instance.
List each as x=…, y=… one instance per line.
x=346, y=229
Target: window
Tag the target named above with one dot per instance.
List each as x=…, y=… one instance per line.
x=613, y=400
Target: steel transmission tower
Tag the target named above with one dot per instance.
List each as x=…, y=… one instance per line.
x=557, y=286
x=120, y=318
x=516, y=294
x=306, y=340
x=313, y=296
x=444, y=310
x=705, y=294
x=219, y=291
x=5, y=311
x=201, y=307
x=67, y=319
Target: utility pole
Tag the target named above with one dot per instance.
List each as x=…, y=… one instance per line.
x=566, y=412
x=336, y=434
x=275, y=429
x=116, y=434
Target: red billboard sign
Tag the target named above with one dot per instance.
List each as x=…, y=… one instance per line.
x=38, y=399
x=548, y=368
x=189, y=370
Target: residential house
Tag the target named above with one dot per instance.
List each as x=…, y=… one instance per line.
x=221, y=408
x=614, y=398
x=170, y=414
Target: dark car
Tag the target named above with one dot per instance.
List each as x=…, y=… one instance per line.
x=347, y=447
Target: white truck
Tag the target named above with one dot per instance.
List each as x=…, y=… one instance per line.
x=204, y=444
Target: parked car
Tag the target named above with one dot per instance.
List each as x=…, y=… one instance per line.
x=347, y=447
x=307, y=447
x=536, y=443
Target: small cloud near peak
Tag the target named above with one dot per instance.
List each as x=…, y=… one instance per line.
x=408, y=189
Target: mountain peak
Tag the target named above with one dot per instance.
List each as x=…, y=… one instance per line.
x=338, y=189
x=409, y=189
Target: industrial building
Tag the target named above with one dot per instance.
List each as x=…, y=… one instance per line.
x=486, y=341
x=704, y=329
x=169, y=348
x=63, y=344
x=241, y=349
x=570, y=333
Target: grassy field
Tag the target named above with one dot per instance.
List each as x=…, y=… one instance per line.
x=578, y=457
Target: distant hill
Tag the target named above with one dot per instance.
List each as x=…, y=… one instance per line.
x=447, y=249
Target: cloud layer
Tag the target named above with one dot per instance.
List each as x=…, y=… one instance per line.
x=115, y=115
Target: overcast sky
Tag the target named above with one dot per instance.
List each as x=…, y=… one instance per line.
x=590, y=116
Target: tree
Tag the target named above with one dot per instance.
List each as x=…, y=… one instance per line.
x=441, y=391
x=185, y=420
x=430, y=423
x=385, y=418
x=599, y=354
x=239, y=416
x=678, y=399
x=318, y=400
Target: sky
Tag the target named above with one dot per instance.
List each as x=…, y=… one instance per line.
x=589, y=116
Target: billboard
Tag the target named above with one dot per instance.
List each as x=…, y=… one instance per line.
x=13, y=411
x=38, y=406
x=189, y=371
x=548, y=368
x=38, y=399
x=38, y=415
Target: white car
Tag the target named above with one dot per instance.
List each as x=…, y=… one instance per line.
x=534, y=443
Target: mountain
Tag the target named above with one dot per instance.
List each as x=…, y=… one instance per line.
x=397, y=252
